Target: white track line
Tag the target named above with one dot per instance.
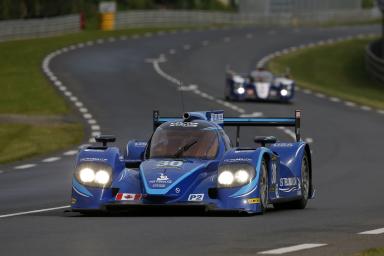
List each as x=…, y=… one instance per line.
x=24, y=166
x=70, y=153
x=34, y=211
x=294, y=248
x=50, y=159
x=373, y=232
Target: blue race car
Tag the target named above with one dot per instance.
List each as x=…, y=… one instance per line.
x=259, y=85
x=190, y=162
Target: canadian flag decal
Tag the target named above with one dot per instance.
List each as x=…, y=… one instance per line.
x=127, y=197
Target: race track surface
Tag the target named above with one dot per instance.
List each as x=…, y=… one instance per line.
x=121, y=85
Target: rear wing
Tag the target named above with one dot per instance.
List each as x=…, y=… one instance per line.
x=244, y=121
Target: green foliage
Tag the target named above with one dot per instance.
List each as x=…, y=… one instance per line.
x=337, y=70
x=367, y=4
x=20, y=141
x=21, y=9
x=372, y=252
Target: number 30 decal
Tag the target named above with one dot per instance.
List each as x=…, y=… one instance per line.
x=169, y=163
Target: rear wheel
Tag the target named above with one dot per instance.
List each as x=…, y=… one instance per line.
x=263, y=187
x=304, y=185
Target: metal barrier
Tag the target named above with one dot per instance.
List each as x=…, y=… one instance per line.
x=373, y=61
x=33, y=28
x=177, y=17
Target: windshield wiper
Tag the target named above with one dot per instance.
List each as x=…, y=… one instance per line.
x=184, y=148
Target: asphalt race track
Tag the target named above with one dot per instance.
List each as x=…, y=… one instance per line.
x=121, y=82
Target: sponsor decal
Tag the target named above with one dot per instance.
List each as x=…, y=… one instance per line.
x=169, y=164
x=183, y=124
x=128, y=197
x=217, y=118
x=140, y=144
x=177, y=190
x=160, y=181
x=253, y=200
x=281, y=144
x=288, y=182
x=73, y=200
x=196, y=197
x=239, y=159
x=87, y=159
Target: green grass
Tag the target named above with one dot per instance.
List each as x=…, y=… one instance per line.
x=372, y=252
x=20, y=141
x=25, y=91
x=337, y=70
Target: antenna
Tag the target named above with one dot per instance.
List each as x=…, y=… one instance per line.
x=181, y=95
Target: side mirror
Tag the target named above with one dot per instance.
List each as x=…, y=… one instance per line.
x=263, y=140
x=105, y=139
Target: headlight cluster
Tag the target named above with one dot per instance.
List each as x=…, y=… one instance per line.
x=94, y=174
x=233, y=175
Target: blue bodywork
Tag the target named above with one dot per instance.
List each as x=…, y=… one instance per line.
x=138, y=180
x=279, y=89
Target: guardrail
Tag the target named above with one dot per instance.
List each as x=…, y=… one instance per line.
x=177, y=17
x=33, y=28
x=373, y=61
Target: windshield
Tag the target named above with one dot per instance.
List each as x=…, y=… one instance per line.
x=262, y=76
x=184, y=140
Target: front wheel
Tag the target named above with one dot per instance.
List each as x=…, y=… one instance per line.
x=263, y=187
x=304, y=186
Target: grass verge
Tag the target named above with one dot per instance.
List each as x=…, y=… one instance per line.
x=337, y=70
x=372, y=252
x=24, y=140
x=25, y=91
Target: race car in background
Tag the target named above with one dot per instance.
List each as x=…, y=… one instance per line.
x=190, y=162
x=259, y=85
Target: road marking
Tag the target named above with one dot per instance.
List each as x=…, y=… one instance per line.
x=320, y=95
x=95, y=127
x=24, y=166
x=380, y=111
x=51, y=159
x=187, y=47
x=92, y=121
x=87, y=116
x=366, y=108
x=1, y=172
x=334, y=99
x=172, y=51
x=254, y=114
x=70, y=153
x=83, y=110
x=307, y=91
x=95, y=134
x=34, y=211
x=373, y=232
x=350, y=104
x=294, y=248
x=309, y=140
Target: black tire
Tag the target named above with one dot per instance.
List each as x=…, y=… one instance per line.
x=263, y=187
x=305, y=186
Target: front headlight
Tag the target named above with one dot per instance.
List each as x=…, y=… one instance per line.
x=240, y=90
x=94, y=174
x=233, y=175
x=284, y=92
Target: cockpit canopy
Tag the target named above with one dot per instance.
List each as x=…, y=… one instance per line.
x=196, y=139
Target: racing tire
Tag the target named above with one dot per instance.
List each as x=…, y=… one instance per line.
x=263, y=187
x=305, y=186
